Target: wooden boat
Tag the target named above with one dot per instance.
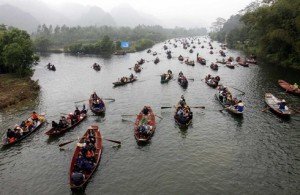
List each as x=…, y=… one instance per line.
x=142, y=61
x=245, y=64
x=137, y=68
x=56, y=132
x=151, y=124
x=183, y=122
x=163, y=78
x=214, y=66
x=212, y=83
x=190, y=63
x=98, y=153
x=180, y=58
x=229, y=65
x=272, y=102
x=202, y=61
x=211, y=52
x=169, y=56
x=149, y=51
x=230, y=108
x=51, y=67
x=288, y=87
x=96, y=67
x=165, y=47
x=191, y=51
x=41, y=121
x=156, y=61
x=183, y=82
x=221, y=62
x=97, y=111
x=154, y=53
x=120, y=83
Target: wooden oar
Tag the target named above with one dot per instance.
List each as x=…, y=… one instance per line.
x=114, y=141
x=264, y=110
x=203, y=107
x=111, y=99
x=159, y=117
x=128, y=115
x=80, y=101
x=165, y=107
x=68, y=142
x=125, y=120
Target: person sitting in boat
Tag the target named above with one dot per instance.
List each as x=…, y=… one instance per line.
x=239, y=106
x=11, y=135
x=94, y=96
x=28, y=125
x=54, y=125
x=18, y=131
x=83, y=111
x=180, y=74
x=295, y=86
x=169, y=72
x=70, y=118
x=90, y=155
x=131, y=76
x=145, y=110
x=77, y=112
x=23, y=125
x=34, y=117
x=77, y=177
x=282, y=105
x=208, y=77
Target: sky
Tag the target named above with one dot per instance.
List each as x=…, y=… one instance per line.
x=170, y=12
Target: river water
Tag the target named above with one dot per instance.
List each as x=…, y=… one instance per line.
x=218, y=154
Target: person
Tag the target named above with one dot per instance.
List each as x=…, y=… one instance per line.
x=83, y=111
x=34, y=117
x=10, y=134
x=54, y=125
x=145, y=110
x=77, y=111
x=18, y=131
x=240, y=106
x=180, y=74
x=282, y=105
x=70, y=118
x=182, y=100
x=295, y=86
x=131, y=76
x=77, y=177
x=94, y=96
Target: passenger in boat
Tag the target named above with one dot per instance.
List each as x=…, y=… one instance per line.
x=77, y=177
x=10, y=134
x=240, y=106
x=35, y=117
x=131, y=76
x=180, y=74
x=23, y=125
x=90, y=155
x=94, y=96
x=54, y=125
x=145, y=110
x=77, y=111
x=28, y=125
x=282, y=105
x=83, y=111
x=295, y=86
x=18, y=131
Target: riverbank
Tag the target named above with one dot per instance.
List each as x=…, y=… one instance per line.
x=14, y=90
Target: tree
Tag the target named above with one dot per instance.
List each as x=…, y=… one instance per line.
x=42, y=44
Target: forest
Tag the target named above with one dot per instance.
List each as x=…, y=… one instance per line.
x=105, y=39
x=270, y=30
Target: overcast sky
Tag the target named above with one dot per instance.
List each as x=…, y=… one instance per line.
x=170, y=11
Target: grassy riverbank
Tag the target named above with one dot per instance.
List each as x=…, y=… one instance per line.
x=14, y=90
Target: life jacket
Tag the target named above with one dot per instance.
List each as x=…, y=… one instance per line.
x=11, y=140
x=34, y=116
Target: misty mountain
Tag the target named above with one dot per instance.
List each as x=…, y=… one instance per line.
x=13, y=16
x=125, y=15
x=96, y=16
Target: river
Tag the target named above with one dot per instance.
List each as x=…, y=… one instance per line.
x=218, y=154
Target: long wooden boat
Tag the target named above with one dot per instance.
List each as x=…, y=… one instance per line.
x=55, y=132
x=164, y=79
x=97, y=111
x=119, y=83
x=245, y=64
x=183, y=122
x=98, y=153
x=156, y=61
x=180, y=58
x=211, y=83
x=40, y=122
x=190, y=63
x=229, y=65
x=221, y=62
x=231, y=109
x=151, y=123
x=202, y=61
x=214, y=66
x=183, y=82
x=289, y=87
x=137, y=69
x=272, y=102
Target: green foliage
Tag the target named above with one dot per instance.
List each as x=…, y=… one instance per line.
x=42, y=44
x=271, y=31
x=143, y=44
x=16, y=52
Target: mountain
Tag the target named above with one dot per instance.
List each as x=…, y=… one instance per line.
x=13, y=16
x=96, y=16
x=125, y=15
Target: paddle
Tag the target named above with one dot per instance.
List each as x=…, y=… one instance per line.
x=159, y=117
x=191, y=79
x=111, y=99
x=114, y=141
x=264, y=110
x=80, y=101
x=128, y=115
x=68, y=142
x=203, y=107
x=125, y=120
x=165, y=107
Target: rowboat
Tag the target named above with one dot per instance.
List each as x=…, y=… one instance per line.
x=214, y=66
x=180, y=58
x=137, y=68
x=144, y=126
x=245, y=64
x=212, y=83
x=202, y=61
x=40, y=122
x=190, y=63
x=87, y=175
x=97, y=110
x=288, y=87
x=230, y=108
x=164, y=79
x=229, y=65
x=272, y=102
x=119, y=83
x=183, y=82
x=156, y=61
x=181, y=121
x=55, y=131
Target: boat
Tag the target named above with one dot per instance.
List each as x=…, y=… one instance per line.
x=137, y=68
x=211, y=52
x=244, y=64
x=190, y=63
x=51, y=67
x=230, y=65
x=97, y=110
x=55, y=131
x=182, y=81
x=212, y=82
x=272, y=102
x=124, y=81
x=191, y=51
x=154, y=53
x=214, y=66
x=288, y=87
x=141, y=61
x=183, y=122
x=98, y=152
x=230, y=108
x=96, y=67
x=165, y=47
x=165, y=78
x=180, y=58
x=149, y=51
x=156, y=61
x=251, y=61
x=221, y=62
x=144, y=128
x=201, y=60
x=40, y=122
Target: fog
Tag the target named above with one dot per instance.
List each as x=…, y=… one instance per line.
x=168, y=13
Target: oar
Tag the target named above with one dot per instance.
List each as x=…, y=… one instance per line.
x=165, y=107
x=239, y=90
x=125, y=120
x=191, y=79
x=128, y=115
x=114, y=141
x=264, y=110
x=111, y=99
x=80, y=101
x=68, y=142
x=159, y=117
x=203, y=107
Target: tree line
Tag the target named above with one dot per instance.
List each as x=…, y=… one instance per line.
x=105, y=39
x=270, y=29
